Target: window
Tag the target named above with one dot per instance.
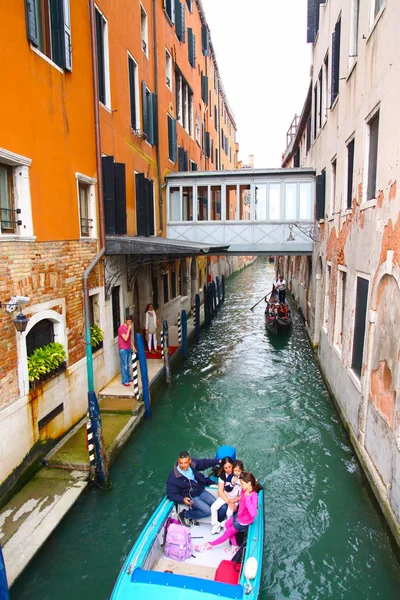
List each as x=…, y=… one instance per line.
x=144, y=35
x=198, y=130
x=205, y=40
x=134, y=93
x=149, y=109
x=350, y=170
x=114, y=189
x=184, y=103
x=372, y=155
x=169, y=7
x=231, y=202
x=354, y=20
x=166, y=288
x=187, y=202
x=333, y=187
x=320, y=100
x=116, y=309
x=191, y=47
x=359, y=324
x=340, y=304
x=168, y=69
x=178, y=96
x=193, y=166
x=376, y=7
x=40, y=335
x=8, y=213
x=327, y=294
x=320, y=200
x=202, y=203
x=49, y=29
x=313, y=19
x=180, y=20
x=144, y=192
x=325, y=86
x=174, y=204
x=335, y=62
x=103, y=59
x=183, y=164
x=173, y=284
x=171, y=138
x=204, y=88
x=190, y=117
x=315, y=110
x=86, y=223
x=215, y=192
x=190, y=5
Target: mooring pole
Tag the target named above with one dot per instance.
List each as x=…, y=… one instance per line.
x=197, y=316
x=167, y=366
x=4, y=594
x=184, y=334
x=218, y=290
x=223, y=287
x=143, y=374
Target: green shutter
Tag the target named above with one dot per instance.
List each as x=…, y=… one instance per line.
x=57, y=32
x=194, y=166
x=32, y=25
x=144, y=109
x=191, y=47
x=67, y=37
x=150, y=118
x=100, y=57
x=132, y=91
x=155, y=118
x=204, y=88
x=178, y=19
x=205, y=40
x=171, y=138
x=182, y=38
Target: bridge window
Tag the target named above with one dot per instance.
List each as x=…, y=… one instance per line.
x=245, y=197
x=274, y=201
x=175, y=204
x=306, y=207
x=231, y=202
x=202, y=203
x=215, y=203
x=187, y=206
x=291, y=194
x=261, y=202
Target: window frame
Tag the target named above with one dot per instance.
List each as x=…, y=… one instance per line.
x=89, y=184
x=106, y=61
x=22, y=205
x=144, y=33
x=168, y=69
x=375, y=114
x=137, y=93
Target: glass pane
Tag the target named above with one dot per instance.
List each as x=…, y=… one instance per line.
x=291, y=212
x=174, y=204
x=274, y=201
x=261, y=202
x=3, y=187
x=202, y=203
x=245, y=203
x=215, y=203
x=305, y=201
x=231, y=202
x=187, y=203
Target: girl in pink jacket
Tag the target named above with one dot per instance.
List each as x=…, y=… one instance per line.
x=246, y=513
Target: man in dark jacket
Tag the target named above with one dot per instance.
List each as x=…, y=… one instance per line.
x=185, y=485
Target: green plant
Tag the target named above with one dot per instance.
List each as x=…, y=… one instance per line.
x=97, y=335
x=45, y=359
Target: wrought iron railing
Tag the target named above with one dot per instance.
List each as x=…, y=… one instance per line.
x=8, y=220
x=86, y=226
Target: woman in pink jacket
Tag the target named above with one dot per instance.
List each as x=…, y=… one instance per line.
x=242, y=518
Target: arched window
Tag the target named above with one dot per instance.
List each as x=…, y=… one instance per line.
x=40, y=335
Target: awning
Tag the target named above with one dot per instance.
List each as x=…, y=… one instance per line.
x=125, y=244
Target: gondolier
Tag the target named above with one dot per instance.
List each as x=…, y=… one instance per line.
x=280, y=286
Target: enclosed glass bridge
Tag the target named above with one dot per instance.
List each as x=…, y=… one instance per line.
x=257, y=211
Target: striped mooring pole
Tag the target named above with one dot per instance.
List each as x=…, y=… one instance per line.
x=218, y=291
x=162, y=343
x=179, y=330
x=90, y=447
x=135, y=375
x=184, y=334
x=197, y=316
x=167, y=366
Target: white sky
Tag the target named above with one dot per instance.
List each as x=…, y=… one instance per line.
x=264, y=62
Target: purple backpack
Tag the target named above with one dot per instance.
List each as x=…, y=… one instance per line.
x=178, y=542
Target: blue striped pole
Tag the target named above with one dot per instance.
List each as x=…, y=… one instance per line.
x=4, y=594
x=218, y=290
x=197, y=316
x=214, y=297
x=162, y=344
x=91, y=448
x=135, y=376
x=143, y=374
x=179, y=330
x=166, y=353
x=184, y=334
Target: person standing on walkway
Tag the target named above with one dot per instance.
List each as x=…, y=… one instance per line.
x=126, y=347
x=280, y=286
x=186, y=485
x=151, y=327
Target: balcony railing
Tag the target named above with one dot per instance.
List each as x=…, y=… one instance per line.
x=86, y=226
x=8, y=220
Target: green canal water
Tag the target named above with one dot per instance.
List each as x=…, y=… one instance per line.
x=324, y=535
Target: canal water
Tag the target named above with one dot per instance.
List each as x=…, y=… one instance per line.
x=264, y=395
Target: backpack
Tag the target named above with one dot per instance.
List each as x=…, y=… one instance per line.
x=178, y=542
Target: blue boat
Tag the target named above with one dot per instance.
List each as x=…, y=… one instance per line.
x=148, y=574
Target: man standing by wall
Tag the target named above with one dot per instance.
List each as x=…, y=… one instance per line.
x=125, y=346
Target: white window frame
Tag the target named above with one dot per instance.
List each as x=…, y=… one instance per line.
x=340, y=300
x=328, y=280
x=332, y=200
x=354, y=31
x=21, y=193
x=144, y=31
x=368, y=120
x=137, y=94
x=90, y=183
x=168, y=69
x=107, y=82
x=346, y=172
x=374, y=17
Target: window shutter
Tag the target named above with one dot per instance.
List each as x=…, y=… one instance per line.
x=182, y=38
x=57, y=32
x=100, y=57
x=155, y=118
x=172, y=139
x=169, y=7
x=120, y=197
x=335, y=62
x=178, y=20
x=194, y=166
x=185, y=160
x=191, y=47
x=359, y=324
x=181, y=159
x=144, y=109
x=149, y=207
x=150, y=118
x=205, y=40
x=204, y=88
x=208, y=144
x=109, y=194
x=320, y=204
x=32, y=31
x=350, y=169
x=189, y=4
x=67, y=36
x=308, y=146
x=132, y=91
x=141, y=192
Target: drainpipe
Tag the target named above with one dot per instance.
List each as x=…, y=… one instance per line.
x=94, y=410
x=160, y=200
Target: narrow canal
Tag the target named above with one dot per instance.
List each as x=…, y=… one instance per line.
x=324, y=536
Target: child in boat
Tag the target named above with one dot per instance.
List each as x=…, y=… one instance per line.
x=241, y=519
x=228, y=490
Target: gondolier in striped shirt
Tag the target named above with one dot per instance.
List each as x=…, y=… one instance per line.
x=280, y=286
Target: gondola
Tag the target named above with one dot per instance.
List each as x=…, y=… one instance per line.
x=147, y=573
x=278, y=316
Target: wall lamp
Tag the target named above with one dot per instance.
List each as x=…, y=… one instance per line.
x=20, y=321
x=310, y=231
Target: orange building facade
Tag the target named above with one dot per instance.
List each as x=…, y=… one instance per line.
x=149, y=85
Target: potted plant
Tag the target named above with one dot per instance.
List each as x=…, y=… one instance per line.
x=97, y=337
x=46, y=362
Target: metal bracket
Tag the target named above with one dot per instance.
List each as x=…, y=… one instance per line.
x=112, y=273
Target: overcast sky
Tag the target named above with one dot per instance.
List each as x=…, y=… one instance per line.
x=264, y=62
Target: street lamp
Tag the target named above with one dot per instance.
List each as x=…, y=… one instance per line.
x=310, y=231
x=20, y=321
